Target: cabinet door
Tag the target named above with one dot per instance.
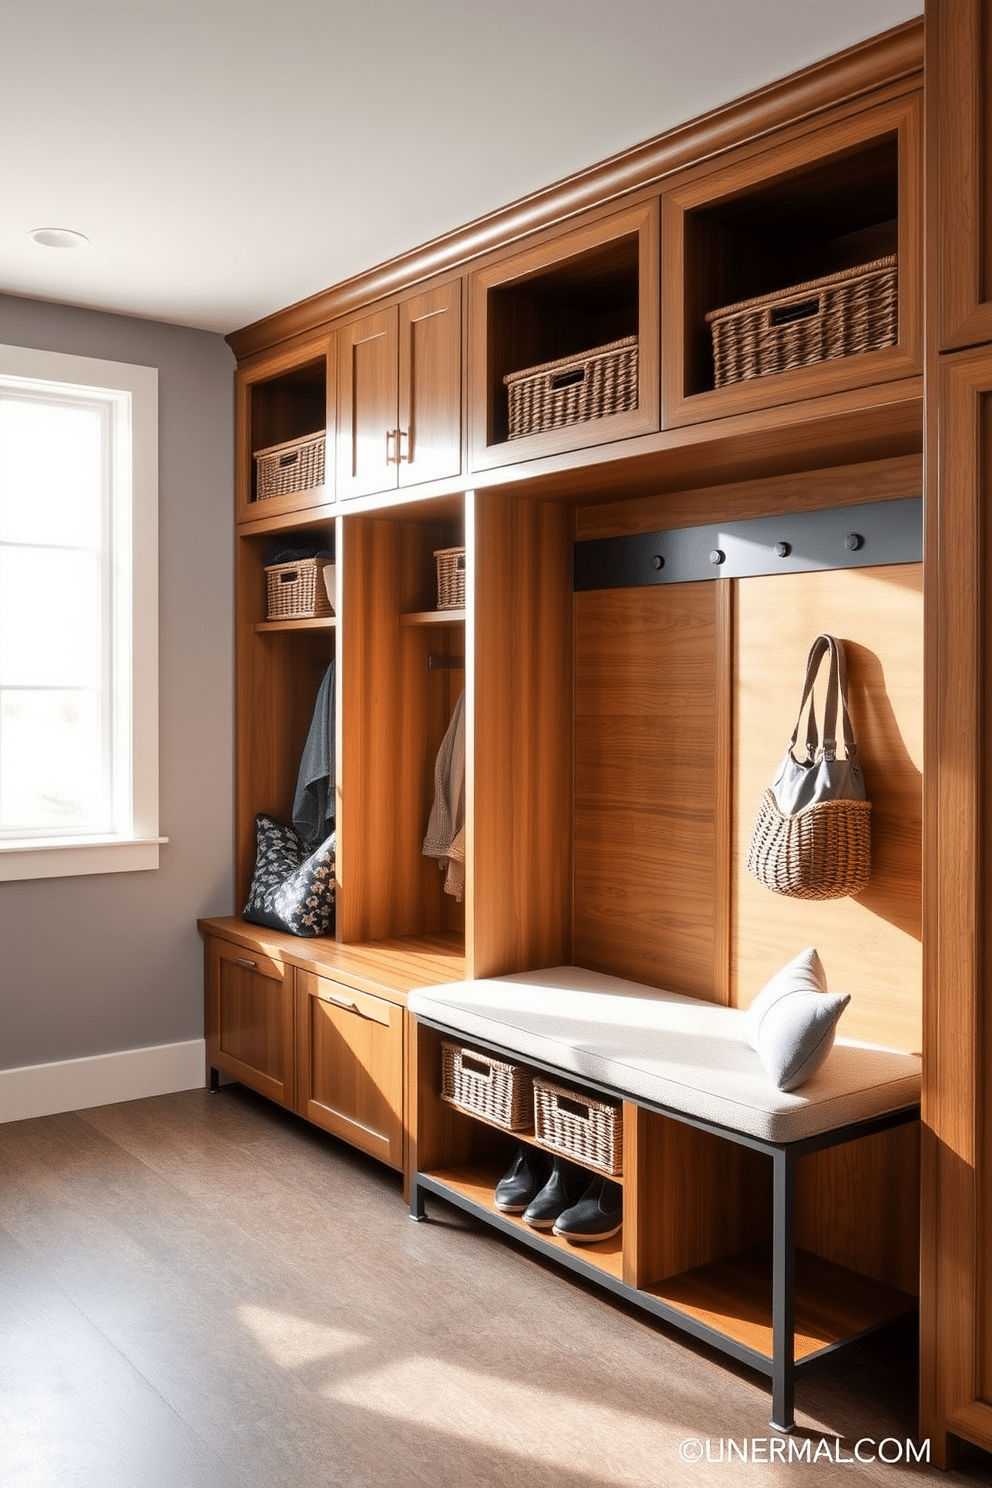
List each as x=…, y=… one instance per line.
x=367, y=425
x=249, y=1019
x=956, y=1261
x=959, y=121
x=350, y=1060
x=430, y=386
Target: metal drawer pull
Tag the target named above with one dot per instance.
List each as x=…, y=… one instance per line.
x=243, y=961
x=343, y=1002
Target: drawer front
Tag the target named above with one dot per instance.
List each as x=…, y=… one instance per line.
x=351, y=1065
x=249, y=1019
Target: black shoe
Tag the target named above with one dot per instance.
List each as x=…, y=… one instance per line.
x=523, y=1179
x=561, y=1191
x=597, y=1215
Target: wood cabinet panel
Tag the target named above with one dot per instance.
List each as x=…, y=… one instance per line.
x=399, y=394
x=958, y=65
x=518, y=740
x=870, y=945
x=956, y=1327
x=430, y=382
x=367, y=352
x=645, y=890
x=249, y=1019
x=350, y=1065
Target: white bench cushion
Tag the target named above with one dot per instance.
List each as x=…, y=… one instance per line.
x=672, y=1050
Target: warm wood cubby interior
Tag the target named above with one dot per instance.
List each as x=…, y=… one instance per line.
x=570, y=306
x=825, y=216
x=288, y=406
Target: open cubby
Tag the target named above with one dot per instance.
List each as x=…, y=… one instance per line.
x=559, y=311
x=565, y=297
x=837, y=213
x=288, y=406
x=403, y=668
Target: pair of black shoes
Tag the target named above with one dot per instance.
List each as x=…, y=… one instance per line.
x=565, y=1200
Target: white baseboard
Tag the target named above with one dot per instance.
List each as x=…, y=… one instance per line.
x=101, y=1080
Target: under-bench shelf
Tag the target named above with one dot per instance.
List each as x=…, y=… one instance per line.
x=709, y=1239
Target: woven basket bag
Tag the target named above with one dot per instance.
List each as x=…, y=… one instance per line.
x=812, y=839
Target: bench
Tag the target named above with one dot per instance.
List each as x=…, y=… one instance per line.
x=684, y=1059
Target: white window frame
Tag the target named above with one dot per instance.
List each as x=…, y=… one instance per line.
x=136, y=846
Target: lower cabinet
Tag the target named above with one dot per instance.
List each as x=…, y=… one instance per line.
x=249, y=1019
x=349, y=1059
x=330, y=1052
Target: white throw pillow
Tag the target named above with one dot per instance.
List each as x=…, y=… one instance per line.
x=792, y=1022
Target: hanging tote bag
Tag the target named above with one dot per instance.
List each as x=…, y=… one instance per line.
x=812, y=839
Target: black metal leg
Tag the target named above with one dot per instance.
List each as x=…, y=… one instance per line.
x=213, y=1084
x=417, y=1210
x=783, y=1290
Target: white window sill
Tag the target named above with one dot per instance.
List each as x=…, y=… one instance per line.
x=65, y=858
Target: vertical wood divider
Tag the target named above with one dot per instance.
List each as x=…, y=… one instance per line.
x=723, y=804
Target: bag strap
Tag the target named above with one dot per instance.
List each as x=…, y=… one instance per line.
x=836, y=694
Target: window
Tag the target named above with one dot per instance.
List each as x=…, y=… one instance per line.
x=78, y=615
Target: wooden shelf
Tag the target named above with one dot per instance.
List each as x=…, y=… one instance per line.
x=476, y=1182
x=734, y=1296
x=326, y=622
x=433, y=617
x=530, y=1140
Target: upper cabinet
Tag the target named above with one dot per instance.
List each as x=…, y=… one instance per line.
x=399, y=394
x=564, y=341
x=285, y=432
x=960, y=117
x=795, y=272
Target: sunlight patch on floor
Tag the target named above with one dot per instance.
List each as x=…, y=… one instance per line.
x=293, y=1341
x=519, y=1416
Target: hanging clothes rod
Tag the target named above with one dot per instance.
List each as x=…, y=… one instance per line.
x=437, y=663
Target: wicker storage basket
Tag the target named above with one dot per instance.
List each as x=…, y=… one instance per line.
x=297, y=465
x=575, y=1125
x=838, y=316
x=296, y=591
x=573, y=389
x=450, y=578
x=823, y=852
x=483, y=1086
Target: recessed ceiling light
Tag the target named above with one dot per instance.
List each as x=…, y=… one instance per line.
x=58, y=237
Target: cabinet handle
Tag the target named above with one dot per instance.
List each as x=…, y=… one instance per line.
x=403, y=434
x=391, y=457
x=243, y=961
x=342, y=1002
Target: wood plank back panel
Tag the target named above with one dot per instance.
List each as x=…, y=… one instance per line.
x=691, y=1197
x=871, y=945
x=519, y=839
x=859, y=1205
x=645, y=835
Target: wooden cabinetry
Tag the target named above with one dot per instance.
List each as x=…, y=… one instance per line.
x=399, y=374
x=350, y=1065
x=611, y=739
x=959, y=91
x=566, y=295
x=250, y=1019
x=283, y=396
x=821, y=202
x=956, y=1325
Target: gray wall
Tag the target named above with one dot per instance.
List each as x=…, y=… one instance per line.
x=96, y=964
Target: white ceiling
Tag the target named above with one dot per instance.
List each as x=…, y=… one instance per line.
x=226, y=158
